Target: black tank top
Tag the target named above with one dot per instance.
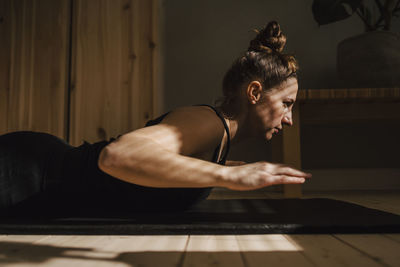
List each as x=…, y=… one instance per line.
x=97, y=147
x=222, y=161
x=80, y=176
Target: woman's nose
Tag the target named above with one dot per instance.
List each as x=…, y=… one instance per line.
x=287, y=119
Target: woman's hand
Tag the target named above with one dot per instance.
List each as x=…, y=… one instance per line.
x=261, y=174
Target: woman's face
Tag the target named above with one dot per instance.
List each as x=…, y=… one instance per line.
x=273, y=109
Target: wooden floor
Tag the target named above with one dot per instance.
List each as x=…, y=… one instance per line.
x=227, y=250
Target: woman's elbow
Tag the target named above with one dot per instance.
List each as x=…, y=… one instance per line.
x=107, y=159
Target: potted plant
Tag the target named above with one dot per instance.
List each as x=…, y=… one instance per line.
x=371, y=59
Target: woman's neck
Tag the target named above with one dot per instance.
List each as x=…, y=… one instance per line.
x=238, y=128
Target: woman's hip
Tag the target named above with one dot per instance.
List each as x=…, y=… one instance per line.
x=24, y=161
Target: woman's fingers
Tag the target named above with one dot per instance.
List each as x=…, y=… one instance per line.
x=283, y=179
x=262, y=174
x=285, y=170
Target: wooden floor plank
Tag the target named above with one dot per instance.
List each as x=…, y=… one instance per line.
x=49, y=251
x=271, y=250
x=23, y=238
x=99, y=251
x=378, y=247
x=13, y=248
x=77, y=250
x=137, y=250
x=205, y=250
x=243, y=250
x=325, y=250
x=395, y=237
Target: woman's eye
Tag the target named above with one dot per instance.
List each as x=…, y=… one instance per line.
x=287, y=103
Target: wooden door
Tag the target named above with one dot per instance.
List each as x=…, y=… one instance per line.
x=33, y=65
x=78, y=69
x=112, y=70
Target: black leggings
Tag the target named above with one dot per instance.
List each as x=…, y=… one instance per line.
x=41, y=174
x=24, y=158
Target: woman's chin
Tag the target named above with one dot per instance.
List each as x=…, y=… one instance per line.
x=262, y=135
x=268, y=136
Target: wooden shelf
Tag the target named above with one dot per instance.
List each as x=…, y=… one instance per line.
x=349, y=95
x=325, y=106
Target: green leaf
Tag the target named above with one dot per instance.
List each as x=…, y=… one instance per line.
x=328, y=11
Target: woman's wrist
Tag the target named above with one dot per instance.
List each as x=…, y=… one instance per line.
x=223, y=177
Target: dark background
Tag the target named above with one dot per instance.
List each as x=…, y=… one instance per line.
x=201, y=39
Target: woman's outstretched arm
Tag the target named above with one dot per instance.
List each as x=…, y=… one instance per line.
x=143, y=161
x=160, y=156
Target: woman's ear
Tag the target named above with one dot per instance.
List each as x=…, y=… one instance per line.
x=254, y=91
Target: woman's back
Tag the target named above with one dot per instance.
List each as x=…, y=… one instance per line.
x=42, y=174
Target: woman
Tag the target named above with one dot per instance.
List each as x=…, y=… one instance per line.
x=171, y=163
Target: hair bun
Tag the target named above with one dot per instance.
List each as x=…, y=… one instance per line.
x=268, y=39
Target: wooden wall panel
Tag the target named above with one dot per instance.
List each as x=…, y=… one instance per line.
x=112, y=70
x=5, y=51
x=157, y=81
x=34, y=84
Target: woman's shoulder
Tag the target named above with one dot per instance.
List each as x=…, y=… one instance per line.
x=186, y=130
x=194, y=108
x=205, y=112
x=200, y=117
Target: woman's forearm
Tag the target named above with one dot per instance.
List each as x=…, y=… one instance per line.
x=145, y=163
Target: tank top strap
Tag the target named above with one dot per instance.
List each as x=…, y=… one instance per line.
x=156, y=120
x=216, y=152
x=222, y=161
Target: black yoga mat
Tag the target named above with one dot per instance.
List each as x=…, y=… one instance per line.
x=237, y=216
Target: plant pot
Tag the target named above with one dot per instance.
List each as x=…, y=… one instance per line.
x=370, y=60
